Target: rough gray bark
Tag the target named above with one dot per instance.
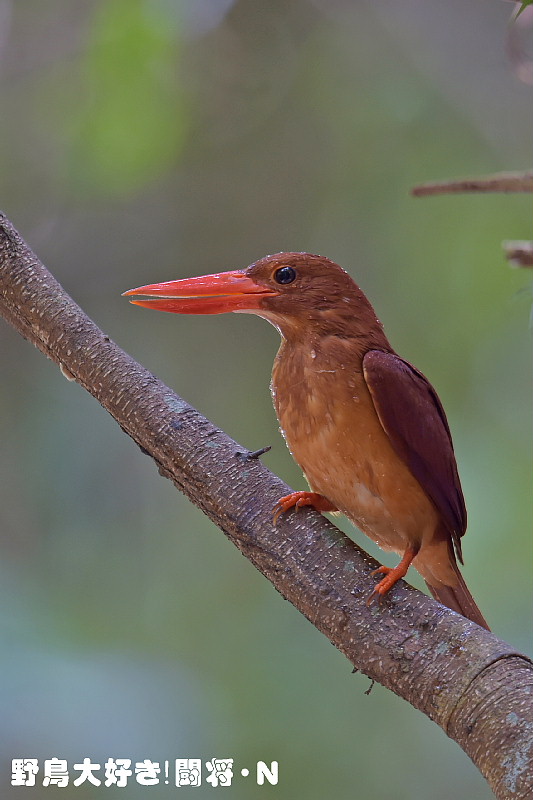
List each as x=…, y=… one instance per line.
x=475, y=686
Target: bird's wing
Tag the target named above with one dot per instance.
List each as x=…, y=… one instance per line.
x=414, y=420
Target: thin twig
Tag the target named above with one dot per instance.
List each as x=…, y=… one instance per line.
x=499, y=182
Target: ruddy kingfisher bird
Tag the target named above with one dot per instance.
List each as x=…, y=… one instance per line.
x=366, y=427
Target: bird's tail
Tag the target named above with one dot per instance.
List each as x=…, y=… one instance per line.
x=457, y=597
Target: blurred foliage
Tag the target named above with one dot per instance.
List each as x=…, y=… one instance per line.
x=143, y=141
x=129, y=78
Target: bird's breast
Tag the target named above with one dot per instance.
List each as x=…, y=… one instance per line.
x=331, y=427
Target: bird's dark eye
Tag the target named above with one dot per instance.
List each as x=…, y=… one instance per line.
x=285, y=275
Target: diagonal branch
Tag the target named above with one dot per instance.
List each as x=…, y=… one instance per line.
x=476, y=687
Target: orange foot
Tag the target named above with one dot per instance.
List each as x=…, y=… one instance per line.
x=299, y=499
x=392, y=575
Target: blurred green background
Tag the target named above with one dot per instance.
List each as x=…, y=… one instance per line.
x=145, y=140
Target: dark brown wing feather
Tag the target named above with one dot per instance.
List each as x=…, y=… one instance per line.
x=413, y=418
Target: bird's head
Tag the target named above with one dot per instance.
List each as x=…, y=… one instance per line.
x=293, y=291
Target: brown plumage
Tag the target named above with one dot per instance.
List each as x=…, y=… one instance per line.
x=366, y=427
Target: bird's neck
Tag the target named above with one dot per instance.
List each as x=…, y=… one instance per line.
x=324, y=348
x=319, y=366
x=334, y=337
x=302, y=358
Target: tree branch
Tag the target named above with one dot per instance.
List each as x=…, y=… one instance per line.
x=475, y=686
x=499, y=182
x=519, y=253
